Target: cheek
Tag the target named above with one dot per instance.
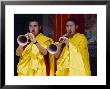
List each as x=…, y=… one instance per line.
x=36, y=30
x=67, y=28
x=73, y=28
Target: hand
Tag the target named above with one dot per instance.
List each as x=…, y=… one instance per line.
x=64, y=40
x=56, y=43
x=31, y=37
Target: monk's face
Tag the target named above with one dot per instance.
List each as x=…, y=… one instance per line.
x=34, y=27
x=71, y=27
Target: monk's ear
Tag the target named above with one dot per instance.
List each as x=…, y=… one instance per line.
x=77, y=26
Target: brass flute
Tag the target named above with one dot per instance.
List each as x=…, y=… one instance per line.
x=53, y=48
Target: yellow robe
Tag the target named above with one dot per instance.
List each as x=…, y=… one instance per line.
x=74, y=59
x=31, y=62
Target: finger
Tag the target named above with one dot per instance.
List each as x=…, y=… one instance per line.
x=26, y=34
x=61, y=39
x=31, y=35
x=56, y=43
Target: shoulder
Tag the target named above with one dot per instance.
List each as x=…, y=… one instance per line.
x=80, y=36
x=45, y=38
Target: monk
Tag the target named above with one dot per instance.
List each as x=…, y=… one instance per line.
x=73, y=55
x=34, y=58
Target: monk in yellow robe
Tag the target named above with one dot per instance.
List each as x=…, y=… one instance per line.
x=73, y=58
x=34, y=58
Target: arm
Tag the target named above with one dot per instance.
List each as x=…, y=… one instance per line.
x=42, y=49
x=19, y=50
x=61, y=44
x=60, y=48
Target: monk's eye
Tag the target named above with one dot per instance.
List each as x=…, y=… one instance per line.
x=67, y=25
x=35, y=25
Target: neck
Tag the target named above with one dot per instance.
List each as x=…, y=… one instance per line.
x=72, y=34
x=37, y=34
